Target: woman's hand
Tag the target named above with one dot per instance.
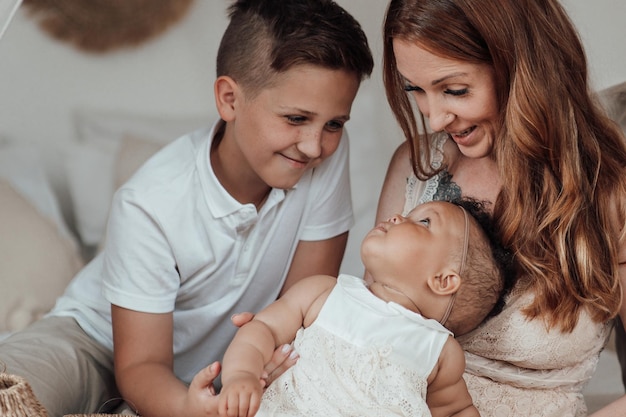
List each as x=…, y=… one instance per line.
x=284, y=356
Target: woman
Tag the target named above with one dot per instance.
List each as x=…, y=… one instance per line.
x=503, y=86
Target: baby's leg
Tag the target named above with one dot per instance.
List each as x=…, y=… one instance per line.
x=68, y=371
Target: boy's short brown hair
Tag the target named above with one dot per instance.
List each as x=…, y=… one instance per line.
x=268, y=37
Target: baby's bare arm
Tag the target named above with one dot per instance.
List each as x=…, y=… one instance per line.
x=447, y=394
x=243, y=369
x=254, y=343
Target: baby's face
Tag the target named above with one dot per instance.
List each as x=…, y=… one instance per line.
x=425, y=243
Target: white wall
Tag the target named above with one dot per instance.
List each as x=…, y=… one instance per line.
x=602, y=29
x=44, y=82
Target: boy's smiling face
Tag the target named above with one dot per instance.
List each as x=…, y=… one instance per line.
x=287, y=128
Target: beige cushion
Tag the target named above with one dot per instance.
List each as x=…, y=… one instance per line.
x=614, y=100
x=133, y=152
x=37, y=261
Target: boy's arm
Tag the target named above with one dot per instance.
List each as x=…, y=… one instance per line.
x=144, y=367
x=447, y=394
x=255, y=342
x=322, y=257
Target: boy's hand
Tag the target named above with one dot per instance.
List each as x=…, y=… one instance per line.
x=201, y=399
x=241, y=396
x=284, y=357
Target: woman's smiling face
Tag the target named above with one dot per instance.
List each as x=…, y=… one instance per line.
x=456, y=96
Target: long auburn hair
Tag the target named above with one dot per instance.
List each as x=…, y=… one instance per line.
x=562, y=161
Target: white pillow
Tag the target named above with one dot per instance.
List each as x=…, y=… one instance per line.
x=89, y=177
x=113, y=145
x=22, y=166
x=108, y=128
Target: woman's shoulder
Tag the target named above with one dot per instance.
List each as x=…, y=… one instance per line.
x=442, y=150
x=402, y=153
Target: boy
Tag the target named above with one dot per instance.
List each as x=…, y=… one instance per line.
x=217, y=222
x=374, y=350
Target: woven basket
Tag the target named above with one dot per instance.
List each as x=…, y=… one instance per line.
x=17, y=398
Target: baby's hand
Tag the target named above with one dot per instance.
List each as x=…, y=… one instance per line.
x=241, y=395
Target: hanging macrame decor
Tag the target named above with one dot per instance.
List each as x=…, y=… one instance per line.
x=104, y=25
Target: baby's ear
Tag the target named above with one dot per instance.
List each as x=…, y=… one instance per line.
x=225, y=92
x=445, y=284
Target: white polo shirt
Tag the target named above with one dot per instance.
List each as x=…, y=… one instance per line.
x=177, y=241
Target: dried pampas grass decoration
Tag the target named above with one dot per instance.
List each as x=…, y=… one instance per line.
x=103, y=25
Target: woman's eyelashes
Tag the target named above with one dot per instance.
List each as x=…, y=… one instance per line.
x=460, y=92
x=453, y=92
x=409, y=88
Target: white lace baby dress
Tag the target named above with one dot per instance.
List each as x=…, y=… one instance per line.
x=361, y=357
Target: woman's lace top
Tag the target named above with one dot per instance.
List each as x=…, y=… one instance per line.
x=361, y=357
x=418, y=192
x=516, y=366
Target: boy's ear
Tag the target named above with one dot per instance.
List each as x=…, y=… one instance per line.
x=445, y=283
x=226, y=91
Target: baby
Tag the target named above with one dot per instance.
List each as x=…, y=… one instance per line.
x=383, y=348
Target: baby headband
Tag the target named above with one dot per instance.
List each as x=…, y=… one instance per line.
x=446, y=315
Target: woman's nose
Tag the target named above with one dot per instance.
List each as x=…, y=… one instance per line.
x=439, y=119
x=437, y=113
x=439, y=123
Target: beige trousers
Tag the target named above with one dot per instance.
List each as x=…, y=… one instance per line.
x=68, y=371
